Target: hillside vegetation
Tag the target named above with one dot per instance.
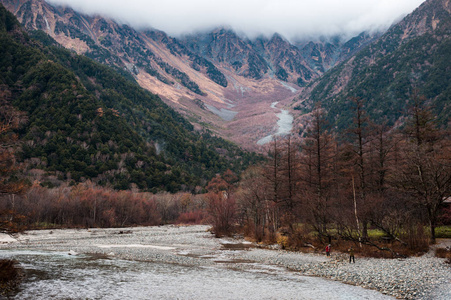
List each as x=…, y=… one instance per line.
x=86, y=121
x=413, y=55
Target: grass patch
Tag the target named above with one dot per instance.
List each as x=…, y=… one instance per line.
x=376, y=233
x=443, y=232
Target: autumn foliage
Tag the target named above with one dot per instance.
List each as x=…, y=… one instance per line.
x=318, y=187
x=221, y=204
x=325, y=186
x=87, y=205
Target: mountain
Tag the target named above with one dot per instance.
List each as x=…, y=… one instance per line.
x=297, y=62
x=86, y=121
x=275, y=57
x=414, y=54
x=225, y=46
x=327, y=53
x=217, y=80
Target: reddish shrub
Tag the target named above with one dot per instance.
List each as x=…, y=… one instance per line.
x=222, y=212
x=444, y=253
x=192, y=217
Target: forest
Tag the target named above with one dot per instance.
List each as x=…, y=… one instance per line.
x=400, y=65
x=342, y=185
x=84, y=121
x=380, y=187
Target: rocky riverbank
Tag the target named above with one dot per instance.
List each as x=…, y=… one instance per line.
x=423, y=277
x=412, y=278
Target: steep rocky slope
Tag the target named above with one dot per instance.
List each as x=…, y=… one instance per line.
x=218, y=80
x=414, y=54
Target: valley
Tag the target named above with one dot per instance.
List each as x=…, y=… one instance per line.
x=199, y=75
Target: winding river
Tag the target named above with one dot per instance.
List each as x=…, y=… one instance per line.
x=285, y=124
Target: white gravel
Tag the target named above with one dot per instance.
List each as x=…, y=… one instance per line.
x=413, y=278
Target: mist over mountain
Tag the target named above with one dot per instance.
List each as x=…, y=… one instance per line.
x=291, y=19
x=219, y=80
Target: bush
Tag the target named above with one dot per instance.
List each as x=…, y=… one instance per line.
x=416, y=238
x=192, y=217
x=282, y=241
x=10, y=276
x=444, y=253
x=222, y=212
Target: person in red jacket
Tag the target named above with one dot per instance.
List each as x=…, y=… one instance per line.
x=328, y=250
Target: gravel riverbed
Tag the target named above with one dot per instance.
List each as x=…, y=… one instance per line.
x=423, y=277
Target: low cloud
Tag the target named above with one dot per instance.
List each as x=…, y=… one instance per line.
x=291, y=18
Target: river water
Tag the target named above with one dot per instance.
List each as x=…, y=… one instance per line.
x=162, y=262
x=58, y=275
x=284, y=125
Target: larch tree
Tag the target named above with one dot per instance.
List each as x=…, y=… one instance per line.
x=359, y=137
x=253, y=202
x=318, y=151
x=290, y=175
x=426, y=169
x=273, y=177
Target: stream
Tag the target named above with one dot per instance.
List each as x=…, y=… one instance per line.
x=58, y=275
x=162, y=262
x=285, y=124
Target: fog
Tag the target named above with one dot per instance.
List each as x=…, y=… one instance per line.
x=291, y=18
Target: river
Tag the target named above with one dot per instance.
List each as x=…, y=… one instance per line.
x=162, y=262
x=284, y=125
x=58, y=275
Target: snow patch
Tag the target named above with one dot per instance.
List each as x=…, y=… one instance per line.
x=6, y=239
x=137, y=246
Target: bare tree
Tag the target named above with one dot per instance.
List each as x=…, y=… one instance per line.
x=360, y=136
x=425, y=172
x=318, y=151
x=273, y=178
x=290, y=175
x=253, y=202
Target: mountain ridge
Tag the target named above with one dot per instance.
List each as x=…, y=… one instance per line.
x=412, y=55
x=222, y=76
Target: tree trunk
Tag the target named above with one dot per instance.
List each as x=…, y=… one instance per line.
x=433, y=225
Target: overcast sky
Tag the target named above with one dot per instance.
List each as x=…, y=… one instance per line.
x=291, y=18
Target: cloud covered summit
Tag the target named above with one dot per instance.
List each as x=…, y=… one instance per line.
x=291, y=18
